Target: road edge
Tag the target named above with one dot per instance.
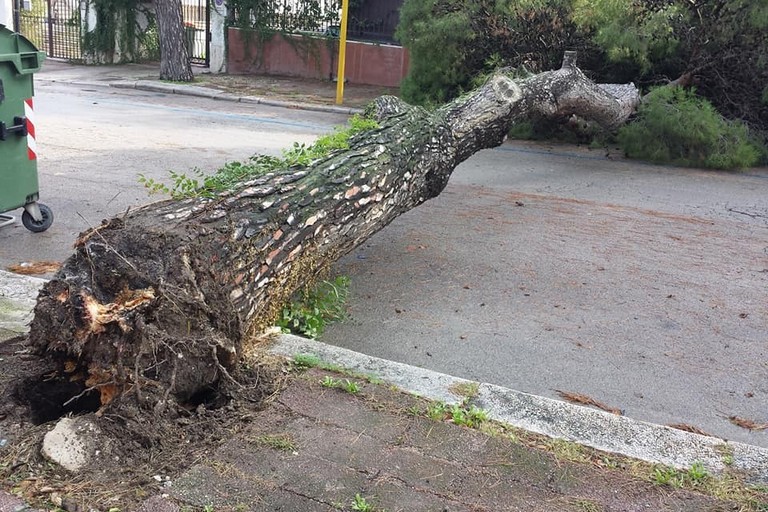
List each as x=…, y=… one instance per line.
x=203, y=92
x=597, y=429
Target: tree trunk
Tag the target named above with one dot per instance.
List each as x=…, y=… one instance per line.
x=162, y=303
x=174, y=54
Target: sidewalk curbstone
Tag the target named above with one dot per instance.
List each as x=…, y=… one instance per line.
x=311, y=107
x=419, y=381
x=152, y=86
x=79, y=83
x=619, y=434
x=256, y=100
x=123, y=84
x=598, y=429
x=18, y=295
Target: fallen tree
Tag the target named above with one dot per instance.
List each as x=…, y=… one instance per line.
x=157, y=307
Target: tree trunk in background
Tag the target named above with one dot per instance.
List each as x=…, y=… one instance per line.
x=174, y=54
x=162, y=302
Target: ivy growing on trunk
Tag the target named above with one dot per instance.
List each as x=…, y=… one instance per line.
x=116, y=26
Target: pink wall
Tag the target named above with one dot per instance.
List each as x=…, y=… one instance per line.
x=366, y=63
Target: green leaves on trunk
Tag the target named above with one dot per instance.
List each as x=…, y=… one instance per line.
x=232, y=174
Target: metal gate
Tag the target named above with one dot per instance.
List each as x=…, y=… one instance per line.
x=52, y=25
x=197, y=27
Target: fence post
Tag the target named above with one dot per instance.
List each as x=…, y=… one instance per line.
x=218, y=43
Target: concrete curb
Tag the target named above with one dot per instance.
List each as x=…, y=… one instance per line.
x=18, y=295
x=205, y=92
x=553, y=418
x=419, y=381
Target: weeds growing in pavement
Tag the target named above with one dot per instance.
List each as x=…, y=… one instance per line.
x=281, y=442
x=313, y=309
x=360, y=504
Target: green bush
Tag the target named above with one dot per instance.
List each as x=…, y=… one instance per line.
x=438, y=45
x=674, y=125
x=314, y=308
x=454, y=44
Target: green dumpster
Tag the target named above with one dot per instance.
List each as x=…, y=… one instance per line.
x=19, y=59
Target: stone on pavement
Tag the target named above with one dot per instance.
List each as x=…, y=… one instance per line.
x=73, y=443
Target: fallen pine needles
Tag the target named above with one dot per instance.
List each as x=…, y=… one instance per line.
x=747, y=423
x=578, y=398
x=689, y=428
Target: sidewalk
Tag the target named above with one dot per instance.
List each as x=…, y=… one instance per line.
x=297, y=93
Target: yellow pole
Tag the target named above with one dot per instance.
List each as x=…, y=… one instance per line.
x=342, y=53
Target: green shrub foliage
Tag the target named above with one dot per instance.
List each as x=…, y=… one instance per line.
x=316, y=307
x=453, y=42
x=674, y=125
x=439, y=48
x=720, y=46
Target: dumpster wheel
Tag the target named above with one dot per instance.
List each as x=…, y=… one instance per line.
x=38, y=226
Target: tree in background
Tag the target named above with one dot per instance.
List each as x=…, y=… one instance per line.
x=174, y=55
x=717, y=45
x=453, y=44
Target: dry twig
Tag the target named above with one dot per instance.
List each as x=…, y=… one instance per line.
x=747, y=423
x=689, y=428
x=578, y=398
x=35, y=267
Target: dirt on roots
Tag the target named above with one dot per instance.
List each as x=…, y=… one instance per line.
x=141, y=443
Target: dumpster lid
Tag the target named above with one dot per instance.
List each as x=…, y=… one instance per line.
x=19, y=51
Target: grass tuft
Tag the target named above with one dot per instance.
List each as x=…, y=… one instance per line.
x=281, y=442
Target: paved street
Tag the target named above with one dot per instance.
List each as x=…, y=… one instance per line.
x=539, y=268
x=94, y=142
x=553, y=268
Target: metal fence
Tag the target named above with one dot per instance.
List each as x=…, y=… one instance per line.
x=54, y=27
x=197, y=27
x=372, y=20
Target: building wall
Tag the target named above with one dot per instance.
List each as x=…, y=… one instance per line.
x=366, y=63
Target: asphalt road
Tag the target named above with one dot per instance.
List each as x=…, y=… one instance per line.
x=547, y=269
x=539, y=268
x=94, y=143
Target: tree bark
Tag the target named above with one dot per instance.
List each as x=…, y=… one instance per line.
x=162, y=303
x=174, y=54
